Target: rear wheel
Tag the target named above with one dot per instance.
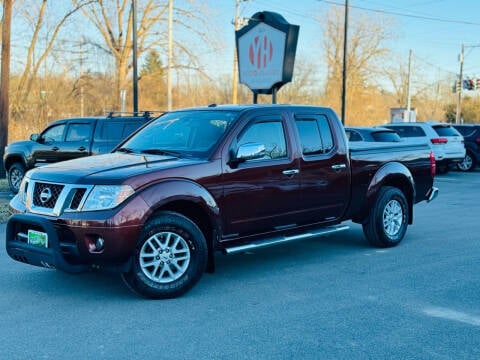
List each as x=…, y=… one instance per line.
x=170, y=257
x=16, y=172
x=388, y=220
x=468, y=163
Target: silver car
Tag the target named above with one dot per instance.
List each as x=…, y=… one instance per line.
x=444, y=140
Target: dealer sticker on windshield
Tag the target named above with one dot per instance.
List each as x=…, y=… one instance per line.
x=37, y=238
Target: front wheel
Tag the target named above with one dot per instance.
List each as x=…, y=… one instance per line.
x=388, y=220
x=16, y=172
x=169, y=259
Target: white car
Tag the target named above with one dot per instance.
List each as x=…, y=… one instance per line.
x=444, y=140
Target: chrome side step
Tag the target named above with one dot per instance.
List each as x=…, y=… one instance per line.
x=283, y=239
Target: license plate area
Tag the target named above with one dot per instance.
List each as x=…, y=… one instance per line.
x=37, y=238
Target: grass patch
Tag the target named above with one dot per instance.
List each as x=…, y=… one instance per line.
x=4, y=214
x=3, y=185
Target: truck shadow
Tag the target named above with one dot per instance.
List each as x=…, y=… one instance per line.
x=106, y=286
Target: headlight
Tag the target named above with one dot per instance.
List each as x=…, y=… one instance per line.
x=104, y=197
x=22, y=190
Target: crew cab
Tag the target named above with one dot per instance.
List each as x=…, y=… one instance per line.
x=68, y=139
x=217, y=178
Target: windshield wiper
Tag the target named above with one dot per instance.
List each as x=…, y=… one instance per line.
x=161, y=152
x=125, y=150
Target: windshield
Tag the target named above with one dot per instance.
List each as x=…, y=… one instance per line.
x=183, y=133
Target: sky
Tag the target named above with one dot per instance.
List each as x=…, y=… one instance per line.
x=434, y=30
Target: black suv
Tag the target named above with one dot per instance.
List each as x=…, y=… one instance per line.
x=68, y=139
x=471, y=136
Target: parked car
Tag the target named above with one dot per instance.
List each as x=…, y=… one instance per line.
x=471, y=137
x=444, y=140
x=68, y=139
x=371, y=134
x=226, y=178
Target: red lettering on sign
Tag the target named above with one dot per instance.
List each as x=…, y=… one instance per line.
x=260, y=52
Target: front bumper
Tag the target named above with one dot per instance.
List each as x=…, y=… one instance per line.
x=51, y=257
x=72, y=237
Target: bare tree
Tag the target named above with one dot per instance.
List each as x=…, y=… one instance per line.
x=113, y=20
x=35, y=57
x=366, y=51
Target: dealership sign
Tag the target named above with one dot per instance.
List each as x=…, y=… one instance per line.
x=266, y=52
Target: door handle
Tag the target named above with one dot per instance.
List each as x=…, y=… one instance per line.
x=81, y=148
x=290, y=172
x=55, y=148
x=339, y=166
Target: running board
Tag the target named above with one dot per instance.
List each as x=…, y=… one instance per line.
x=284, y=239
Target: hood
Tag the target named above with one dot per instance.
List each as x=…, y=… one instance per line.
x=23, y=144
x=112, y=168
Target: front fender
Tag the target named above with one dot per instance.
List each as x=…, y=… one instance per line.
x=168, y=191
x=391, y=174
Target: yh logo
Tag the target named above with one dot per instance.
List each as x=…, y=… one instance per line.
x=260, y=52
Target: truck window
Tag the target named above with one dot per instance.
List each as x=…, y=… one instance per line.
x=55, y=133
x=315, y=135
x=112, y=130
x=78, y=132
x=352, y=135
x=268, y=133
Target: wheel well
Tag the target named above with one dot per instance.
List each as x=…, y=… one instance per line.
x=13, y=159
x=405, y=187
x=194, y=212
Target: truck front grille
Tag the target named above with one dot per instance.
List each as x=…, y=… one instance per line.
x=54, y=199
x=46, y=195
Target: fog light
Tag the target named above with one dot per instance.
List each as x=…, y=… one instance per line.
x=99, y=244
x=95, y=243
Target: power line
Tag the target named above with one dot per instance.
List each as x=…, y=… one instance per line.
x=430, y=18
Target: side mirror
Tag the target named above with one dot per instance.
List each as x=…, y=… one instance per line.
x=251, y=151
x=34, y=137
x=248, y=151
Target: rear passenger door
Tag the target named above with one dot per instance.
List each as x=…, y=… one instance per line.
x=324, y=169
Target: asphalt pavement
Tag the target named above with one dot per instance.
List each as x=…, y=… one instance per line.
x=328, y=298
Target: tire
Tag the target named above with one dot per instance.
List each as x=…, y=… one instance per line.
x=16, y=172
x=388, y=220
x=468, y=163
x=169, y=259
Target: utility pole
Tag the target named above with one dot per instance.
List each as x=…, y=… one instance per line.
x=5, y=79
x=458, y=118
x=134, y=53
x=236, y=24
x=344, y=77
x=170, y=56
x=409, y=76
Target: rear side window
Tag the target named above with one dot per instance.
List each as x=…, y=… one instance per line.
x=112, y=130
x=315, y=135
x=408, y=131
x=443, y=130
x=466, y=131
x=353, y=135
x=117, y=130
x=78, y=132
x=386, y=136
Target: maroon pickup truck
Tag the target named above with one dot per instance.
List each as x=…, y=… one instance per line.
x=217, y=178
